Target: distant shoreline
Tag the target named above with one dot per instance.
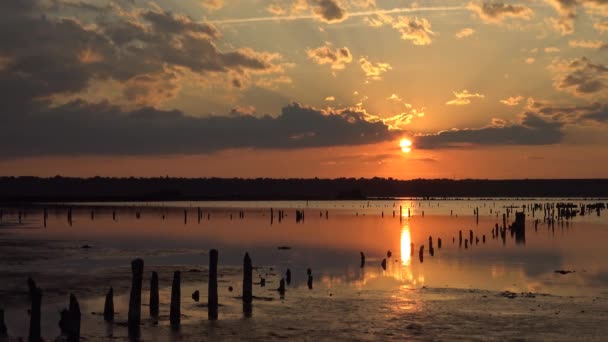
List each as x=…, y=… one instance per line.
x=78, y=190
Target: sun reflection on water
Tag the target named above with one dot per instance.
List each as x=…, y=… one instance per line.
x=406, y=247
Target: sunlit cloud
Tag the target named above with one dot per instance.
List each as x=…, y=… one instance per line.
x=530, y=60
x=394, y=97
x=373, y=71
x=337, y=58
x=551, y=49
x=464, y=98
x=417, y=31
x=465, y=32
x=330, y=99
x=212, y=4
x=512, y=101
x=601, y=26
x=587, y=44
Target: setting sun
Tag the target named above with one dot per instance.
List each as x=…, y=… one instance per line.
x=406, y=145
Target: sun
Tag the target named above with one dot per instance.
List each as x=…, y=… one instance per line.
x=406, y=145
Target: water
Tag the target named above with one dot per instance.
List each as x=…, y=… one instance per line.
x=328, y=241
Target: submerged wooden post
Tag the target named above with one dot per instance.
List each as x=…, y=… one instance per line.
x=288, y=276
x=35, y=315
x=74, y=320
x=108, y=308
x=212, y=290
x=134, y=320
x=247, y=279
x=154, y=297
x=362, y=259
x=3, y=329
x=281, y=288
x=175, y=311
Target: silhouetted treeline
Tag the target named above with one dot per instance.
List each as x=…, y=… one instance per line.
x=19, y=189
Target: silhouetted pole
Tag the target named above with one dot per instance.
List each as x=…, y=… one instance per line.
x=247, y=279
x=288, y=276
x=35, y=294
x=134, y=320
x=362, y=259
x=383, y=264
x=281, y=288
x=154, y=297
x=212, y=290
x=175, y=311
x=3, y=329
x=74, y=320
x=108, y=308
x=309, y=272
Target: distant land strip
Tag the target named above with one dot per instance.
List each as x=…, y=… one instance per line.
x=100, y=189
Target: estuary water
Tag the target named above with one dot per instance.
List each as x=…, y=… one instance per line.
x=456, y=293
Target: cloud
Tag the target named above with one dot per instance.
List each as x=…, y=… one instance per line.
x=465, y=32
x=496, y=12
x=141, y=54
x=213, y=4
x=532, y=129
x=573, y=115
x=601, y=26
x=329, y=11
x=373, y=71
x=567, y=11
x=337, y=58
x=81, y=128
x=330, y=98
x=394, y=97
x=551, y=49
x=587, y=44
x=418, y=31
x=530, y=60
x=580, y=77
x=512, y=101
x=464, y=98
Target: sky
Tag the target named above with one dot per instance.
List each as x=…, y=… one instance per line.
x=304, y=88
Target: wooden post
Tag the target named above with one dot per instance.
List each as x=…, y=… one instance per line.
x=288, y=276
x=134, y=319
x=247, y=279
x=35, y=315
x=3, y=329
x=175, y=311
x=212, y=290
x=309, y=281
x=362, y=259
x=154, y=297
x=281, y=288
x=383, y=264
x=108, y=308
x=74, y=320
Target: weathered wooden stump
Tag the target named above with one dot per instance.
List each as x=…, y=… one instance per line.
x=35, y=295
x=175, y=313
x=134, y=319
x=154, y=297
x=3, y=329
x=108, y=308
x=248, y=279
x=196, y=296
x=73, y=320
x=212, y=290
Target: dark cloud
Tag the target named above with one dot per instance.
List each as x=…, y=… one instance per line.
x=533, y=129
x=580, y=77
x=330, y=11
x=44, y=54
x=596, y=112
x=496, y=12
x=82, y=128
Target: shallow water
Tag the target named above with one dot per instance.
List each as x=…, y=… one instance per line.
x=347, y=300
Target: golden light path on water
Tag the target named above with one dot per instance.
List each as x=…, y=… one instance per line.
x=406, y=247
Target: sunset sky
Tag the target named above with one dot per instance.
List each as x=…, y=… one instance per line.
x=304, y=88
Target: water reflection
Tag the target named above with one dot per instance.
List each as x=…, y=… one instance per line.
x=406, y=245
